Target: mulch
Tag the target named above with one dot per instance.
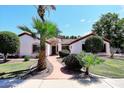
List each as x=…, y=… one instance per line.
x=42, y=74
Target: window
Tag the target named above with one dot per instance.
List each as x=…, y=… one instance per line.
x=83, y=47
x=36, y=48
x=65, y=47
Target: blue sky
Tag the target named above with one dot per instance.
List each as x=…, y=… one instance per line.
x=71, y=20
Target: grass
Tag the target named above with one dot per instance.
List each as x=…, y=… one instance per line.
x=10, y=70
x=113, y=68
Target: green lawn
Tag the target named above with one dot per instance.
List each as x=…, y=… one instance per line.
x=110, y=68
x=9, y=70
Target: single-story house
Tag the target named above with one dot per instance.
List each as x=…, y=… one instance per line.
x=30, y=46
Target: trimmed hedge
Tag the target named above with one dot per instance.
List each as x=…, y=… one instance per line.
x=94, y=44
x=26, y=58
x=64, y=53
x=72, y=62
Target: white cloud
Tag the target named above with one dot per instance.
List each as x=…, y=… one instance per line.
x=82, y=20
x=88, y=20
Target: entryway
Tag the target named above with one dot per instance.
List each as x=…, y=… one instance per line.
x=54, y=50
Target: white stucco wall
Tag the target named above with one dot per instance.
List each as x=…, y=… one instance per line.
x=26, y=43
x=77, y=47
x=59, y=44
x=48, y=49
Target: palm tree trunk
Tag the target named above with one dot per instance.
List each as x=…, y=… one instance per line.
x=42, y=57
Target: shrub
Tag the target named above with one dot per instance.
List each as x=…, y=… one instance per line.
x=94, y=44
x=64, y=53
x=72, y=62
x=26, y=58
x=9, y=43
x=37, y=55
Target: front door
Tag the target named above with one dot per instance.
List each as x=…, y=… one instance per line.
x=53, y=50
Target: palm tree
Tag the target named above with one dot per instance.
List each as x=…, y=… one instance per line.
x=42, y=8
x=45, y=30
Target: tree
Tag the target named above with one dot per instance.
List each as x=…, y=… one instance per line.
x=106, y=25
x=73, y=37
x=66, y=37
x=86, y=60
x=9, y=43
x=94, y=44
x=110, y=26
x=45, y=30
x=119, y=39
x=42, y=8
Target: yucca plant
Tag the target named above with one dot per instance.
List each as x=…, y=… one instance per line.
x=86, y=60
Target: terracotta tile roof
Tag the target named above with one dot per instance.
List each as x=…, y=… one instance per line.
x=86, y=37
x=26, y=33
x=52, y=41
x=63, y=41
x=67, y=41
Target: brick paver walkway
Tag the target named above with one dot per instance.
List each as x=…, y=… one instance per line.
x=57, y=74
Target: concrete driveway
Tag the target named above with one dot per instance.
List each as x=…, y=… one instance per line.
x=80, y=83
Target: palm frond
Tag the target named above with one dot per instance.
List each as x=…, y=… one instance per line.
x=51, y=29
x=26, y=29
x=37, y=24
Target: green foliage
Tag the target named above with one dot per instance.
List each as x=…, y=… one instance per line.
x=79, y=57
x=67, y=37
x=94, y=44
x=106, y=25
x=9, y=43
x=110, y=26
x=73, y=37
x=86, y=60
x=72, y=62
x=89, y=59
x=64, y=53
x=26, y=58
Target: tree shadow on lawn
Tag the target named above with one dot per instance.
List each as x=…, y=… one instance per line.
x=10, y=83
x=79, y=76
x=12, y=74
x=11, y=79
x=1, y=61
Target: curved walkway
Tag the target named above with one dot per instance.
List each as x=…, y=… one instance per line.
x=57, y=74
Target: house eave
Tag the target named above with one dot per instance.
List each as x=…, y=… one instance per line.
x=86, y=37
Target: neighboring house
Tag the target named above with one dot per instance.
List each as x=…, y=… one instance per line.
x=30, y=46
